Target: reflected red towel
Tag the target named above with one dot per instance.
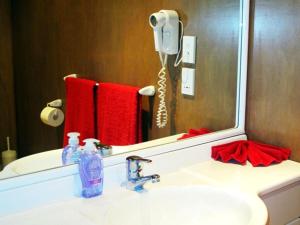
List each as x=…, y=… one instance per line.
x=119, y=110
x=80, y=110
x=258, y=154
x=194, y=132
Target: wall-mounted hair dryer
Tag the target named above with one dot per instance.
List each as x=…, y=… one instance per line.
x=165, y=26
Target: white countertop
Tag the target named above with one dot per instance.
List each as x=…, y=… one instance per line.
x=257, y=180
x=260, y=180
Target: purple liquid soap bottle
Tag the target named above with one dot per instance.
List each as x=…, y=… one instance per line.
x=91, y=169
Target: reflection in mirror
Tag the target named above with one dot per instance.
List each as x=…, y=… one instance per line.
x=107, y=41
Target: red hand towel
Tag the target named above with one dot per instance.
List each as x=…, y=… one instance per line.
x=119, y=110
x=80, y=110
x=194, y=132
x=258, y=154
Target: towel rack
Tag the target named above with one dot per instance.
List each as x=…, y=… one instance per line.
x=146, y=91
x=75, y=76
x=70, y=75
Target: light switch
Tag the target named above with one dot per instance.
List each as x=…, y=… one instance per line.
x=188, y=81
x=189, y=49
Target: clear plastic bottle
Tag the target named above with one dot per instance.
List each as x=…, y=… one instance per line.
x=71, y=152
x=91, y=169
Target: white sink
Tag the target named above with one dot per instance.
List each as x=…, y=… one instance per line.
x=167, y=205
x=187, y=205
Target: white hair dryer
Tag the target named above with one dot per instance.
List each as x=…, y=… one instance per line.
x=165, y=26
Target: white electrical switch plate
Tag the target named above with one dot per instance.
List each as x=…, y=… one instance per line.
x=188, y=81
x=189, y=49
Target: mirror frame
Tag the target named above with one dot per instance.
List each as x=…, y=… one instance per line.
x=239, y=129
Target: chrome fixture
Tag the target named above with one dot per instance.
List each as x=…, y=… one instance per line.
x=135, y=179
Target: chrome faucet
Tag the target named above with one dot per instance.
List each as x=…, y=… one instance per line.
x=135, y=179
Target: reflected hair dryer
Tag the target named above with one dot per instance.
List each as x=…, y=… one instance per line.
x=165, y=26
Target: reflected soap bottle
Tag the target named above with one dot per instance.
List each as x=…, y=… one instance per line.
x=91, y=169
x=71, y=152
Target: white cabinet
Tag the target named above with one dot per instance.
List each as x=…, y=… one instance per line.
x=294, y=222
x=284, y=205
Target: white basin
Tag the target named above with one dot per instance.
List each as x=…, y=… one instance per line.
x=192, y=205
x=168, y=205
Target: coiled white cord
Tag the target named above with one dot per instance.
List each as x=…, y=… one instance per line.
x=162, y=113
x=177, y=60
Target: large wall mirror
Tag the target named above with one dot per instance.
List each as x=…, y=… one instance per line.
x=112, y=41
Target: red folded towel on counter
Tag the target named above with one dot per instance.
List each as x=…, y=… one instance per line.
x=119, y=114
x=80, y=111
x=258, y=154
x=194, y=132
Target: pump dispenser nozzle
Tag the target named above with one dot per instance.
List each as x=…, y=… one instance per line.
x=73, y=138
x=90, y=144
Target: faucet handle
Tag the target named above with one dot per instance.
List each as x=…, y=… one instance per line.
x=138, y=158
x=135, y=167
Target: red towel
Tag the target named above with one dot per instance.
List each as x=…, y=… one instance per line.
x=194, y=132
x=119, y=110
x=258, y=154
x=80, y=111
x=263, y=154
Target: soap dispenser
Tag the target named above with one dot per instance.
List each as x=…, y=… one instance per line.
x=91, y=169
x=71, y=152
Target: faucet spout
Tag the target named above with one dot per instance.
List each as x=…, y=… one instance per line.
x=137, y=184
x=155, y=178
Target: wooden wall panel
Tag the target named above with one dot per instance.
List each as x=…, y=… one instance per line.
x=7, y=105
x=273, y=109
x=112, y=41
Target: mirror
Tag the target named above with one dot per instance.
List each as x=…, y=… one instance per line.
x=113, y=42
